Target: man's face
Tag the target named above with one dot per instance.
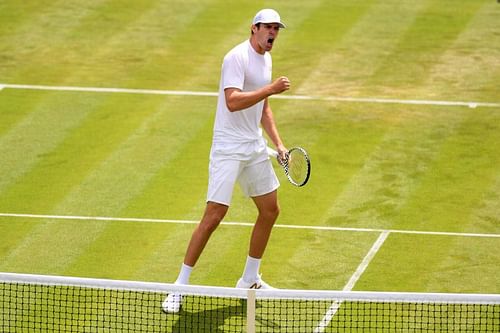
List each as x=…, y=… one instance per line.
x=265, y=34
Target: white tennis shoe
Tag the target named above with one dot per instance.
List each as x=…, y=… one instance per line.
x=257, y=284
x=172, y=304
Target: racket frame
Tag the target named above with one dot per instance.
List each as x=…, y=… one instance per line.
x=273, y=153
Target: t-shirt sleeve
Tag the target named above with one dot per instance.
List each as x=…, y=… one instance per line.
x=233, y=72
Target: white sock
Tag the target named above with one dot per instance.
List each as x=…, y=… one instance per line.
x=251, y=269
x=184, y=274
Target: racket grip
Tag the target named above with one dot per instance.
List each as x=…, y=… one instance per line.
x=272, y=152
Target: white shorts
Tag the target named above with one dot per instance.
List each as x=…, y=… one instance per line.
x=254, y=173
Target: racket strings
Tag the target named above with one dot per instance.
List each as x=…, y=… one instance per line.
x=295, y=167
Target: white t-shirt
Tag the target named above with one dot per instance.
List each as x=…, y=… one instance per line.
x=247, y=70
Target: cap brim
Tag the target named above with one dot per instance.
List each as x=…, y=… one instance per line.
x=282, y=25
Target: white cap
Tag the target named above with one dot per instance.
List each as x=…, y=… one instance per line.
x=268, y=16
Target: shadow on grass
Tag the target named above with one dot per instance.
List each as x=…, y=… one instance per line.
x=228, y=318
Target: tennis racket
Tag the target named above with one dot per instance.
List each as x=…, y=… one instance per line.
x=297, y=165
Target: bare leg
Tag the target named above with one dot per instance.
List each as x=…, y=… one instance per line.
x=214, y=213
x=268, y=208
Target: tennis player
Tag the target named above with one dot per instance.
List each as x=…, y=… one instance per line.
x=239, y=151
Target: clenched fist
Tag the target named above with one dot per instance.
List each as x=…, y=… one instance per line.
x=280, y=85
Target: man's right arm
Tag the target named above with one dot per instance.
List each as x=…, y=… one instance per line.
x=237, y=100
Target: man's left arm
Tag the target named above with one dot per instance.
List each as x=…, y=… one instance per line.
x=269, y=125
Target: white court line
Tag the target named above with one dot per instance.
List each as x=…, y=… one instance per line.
x=366, y=260
x=323, y=324
x=470, y=104
x=246, y=224
x=110, y=90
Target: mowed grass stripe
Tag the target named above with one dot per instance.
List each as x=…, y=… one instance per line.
x=379, y=191
x=12, y=232
x=125, y=57
x=65, y=166
x=470, y=67
x=433, y=264
x=470, y=262
x=485, y=216
x=124, y=173
x=25, y=27
x=96, y=136
x=14, y=14
x=360, y=50
x=330, y=259
x=134, y=252
x=107, y=38
x=39, y=133
x=38, y=56
x=434, y=30
x=178, y=189
x=15, y=106
x=108, y=187
x=460, y=179
x=334, y=18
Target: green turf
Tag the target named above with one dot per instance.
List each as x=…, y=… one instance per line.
x=390, y=166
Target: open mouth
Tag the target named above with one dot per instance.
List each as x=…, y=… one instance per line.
x=270, y=41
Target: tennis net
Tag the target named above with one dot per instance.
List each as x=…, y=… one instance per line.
x=38, y=303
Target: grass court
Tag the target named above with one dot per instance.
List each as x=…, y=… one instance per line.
x=428, y=174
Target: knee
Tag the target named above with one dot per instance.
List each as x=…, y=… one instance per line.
x=208, y=226
x=271, y=212
x=275, y=211
x=212, y=219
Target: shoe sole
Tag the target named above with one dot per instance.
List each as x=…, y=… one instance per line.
x=172, y=312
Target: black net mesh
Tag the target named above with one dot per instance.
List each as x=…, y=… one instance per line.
x=33, y=307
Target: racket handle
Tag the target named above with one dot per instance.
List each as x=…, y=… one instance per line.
x=272, y=152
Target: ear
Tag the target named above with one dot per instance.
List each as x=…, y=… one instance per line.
x=254, y=28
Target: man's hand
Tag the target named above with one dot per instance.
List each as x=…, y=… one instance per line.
x=280, y=85
x=282, y=154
